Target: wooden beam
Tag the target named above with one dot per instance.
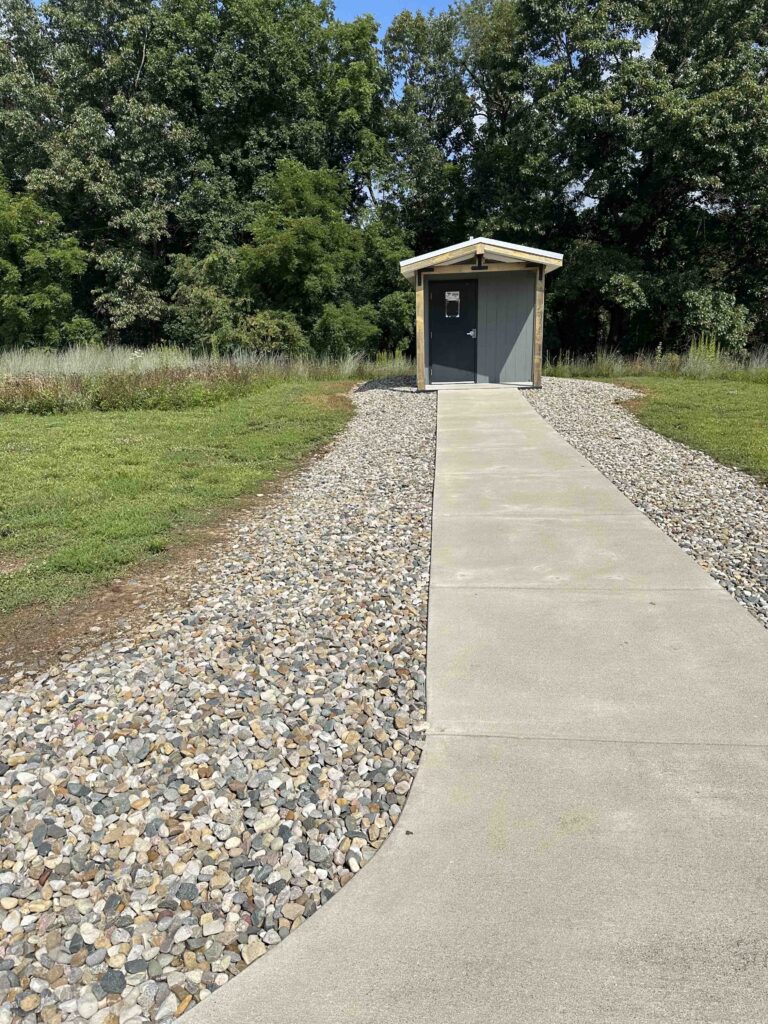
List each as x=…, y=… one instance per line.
x=468, y=268
x=421, y=361
x=447, y=257
x=519, y=254
x=467, y=251
x=538, y=329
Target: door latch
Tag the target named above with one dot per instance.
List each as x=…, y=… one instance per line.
x=472, y=333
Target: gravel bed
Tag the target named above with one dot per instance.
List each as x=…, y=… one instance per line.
x=717, y=514
x=172, y=806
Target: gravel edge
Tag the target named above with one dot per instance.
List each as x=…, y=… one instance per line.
x=174, y=805
x=715, y=513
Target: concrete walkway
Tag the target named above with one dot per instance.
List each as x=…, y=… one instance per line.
x=587, y=837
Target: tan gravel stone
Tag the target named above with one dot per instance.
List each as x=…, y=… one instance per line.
x=253, y=950
x=278, y=708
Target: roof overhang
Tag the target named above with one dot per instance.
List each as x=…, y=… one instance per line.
x=492, y=251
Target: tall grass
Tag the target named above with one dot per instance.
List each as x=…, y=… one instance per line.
x=702, y=360
x=44, y=382
x=92, y=360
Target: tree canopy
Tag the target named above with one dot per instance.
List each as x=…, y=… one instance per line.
x=247, y=173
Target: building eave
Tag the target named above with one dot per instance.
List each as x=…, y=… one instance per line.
x=490, y=248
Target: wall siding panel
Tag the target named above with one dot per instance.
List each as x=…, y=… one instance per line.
x=505, y=327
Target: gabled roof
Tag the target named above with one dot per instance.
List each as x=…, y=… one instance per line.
x=491, y=248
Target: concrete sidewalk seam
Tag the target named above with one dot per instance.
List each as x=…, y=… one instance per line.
x=629, y=589
x=521, y=738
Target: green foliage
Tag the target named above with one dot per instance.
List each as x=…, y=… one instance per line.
x=120, y=486
x=395, y=316
x=39, y=265
x=631, y=135
x=205, y=294
x=217, y=162
x=79, y=332
x=152, y=128
x=345, y=328
x=304, y=253
x=213, y=310
x=268, y=332
x=718, y=316
x=432, y=122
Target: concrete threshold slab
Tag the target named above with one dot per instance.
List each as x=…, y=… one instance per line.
x=585, y=840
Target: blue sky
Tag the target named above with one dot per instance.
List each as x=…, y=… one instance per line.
x=383, y=10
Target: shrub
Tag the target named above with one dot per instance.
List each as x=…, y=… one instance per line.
x=80, y=332
x=717, y=316
x=396, y=321
x=213, y=312
x=345, y=328
x=268, y=332
x=39, y=263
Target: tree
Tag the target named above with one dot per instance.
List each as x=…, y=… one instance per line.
x=222, y=158
x=27, y=90
x=163, y=123
x=304, y=253
x=431, y=125
x=632, y=135
x=39, y=268
x=304, y=258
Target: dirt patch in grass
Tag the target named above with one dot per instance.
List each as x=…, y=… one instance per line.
x=84, y=496
x=8, y=564
x=37, y=634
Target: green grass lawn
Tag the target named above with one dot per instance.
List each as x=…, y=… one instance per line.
x=728, y=419
x=85, y=494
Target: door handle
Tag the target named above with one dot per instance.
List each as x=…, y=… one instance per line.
x=472, y=333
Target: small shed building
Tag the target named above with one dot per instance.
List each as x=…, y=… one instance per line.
x=480, y=312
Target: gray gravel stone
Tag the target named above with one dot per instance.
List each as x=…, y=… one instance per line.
x=717, y=514
x=113, y=981
x=183, y=798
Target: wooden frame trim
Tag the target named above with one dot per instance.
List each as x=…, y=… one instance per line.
x=538, y=328
x=421, y=355
x=471, y=268
x=516, y=254
x=485, y=248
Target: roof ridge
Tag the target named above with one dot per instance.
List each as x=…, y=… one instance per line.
x=543, y=254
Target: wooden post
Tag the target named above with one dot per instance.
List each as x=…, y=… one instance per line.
x=420, y=345
x=538, y=329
